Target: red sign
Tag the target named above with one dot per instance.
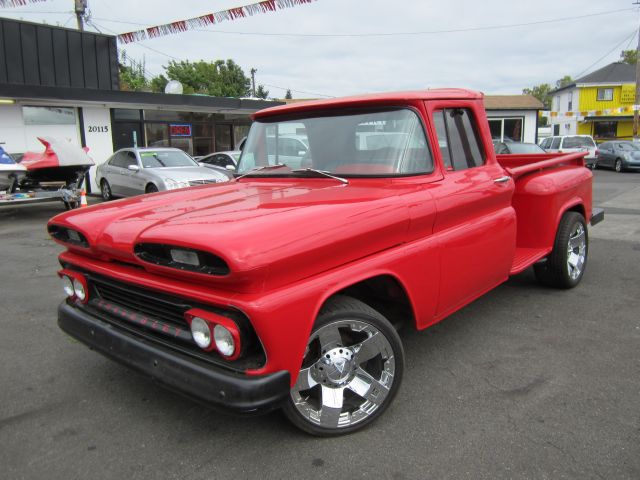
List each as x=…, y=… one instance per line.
x=180, y=130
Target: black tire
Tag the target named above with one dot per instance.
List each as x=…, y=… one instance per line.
x=151, y=188
x=558, y=270
x=361, y=361
x=618, y=167
x=105, y=188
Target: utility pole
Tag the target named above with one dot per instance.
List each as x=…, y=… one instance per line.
x=253, y=82
x=81, y=7
x=636, y=102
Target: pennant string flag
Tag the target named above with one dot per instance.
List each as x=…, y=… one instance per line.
x=202, y=21
x=17, y=3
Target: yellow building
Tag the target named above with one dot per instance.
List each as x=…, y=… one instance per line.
x=599, y=104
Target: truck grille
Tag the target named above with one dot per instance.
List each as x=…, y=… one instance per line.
x=159, y=317
x=163, y=308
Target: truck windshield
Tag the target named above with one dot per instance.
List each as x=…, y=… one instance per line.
x=386, y=142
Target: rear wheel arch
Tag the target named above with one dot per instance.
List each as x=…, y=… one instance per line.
x=151, y=188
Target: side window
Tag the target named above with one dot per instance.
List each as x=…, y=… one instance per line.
x=545, y=143
x=119, y=160
x=129, y=158
x=441, y=132
x=555, y=144
x=463, y=141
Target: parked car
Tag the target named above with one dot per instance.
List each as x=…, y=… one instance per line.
x=133, y=171
x=619, y=155
x=284, y=287
x=516, y=148
x=573, y=143
x=227, y=160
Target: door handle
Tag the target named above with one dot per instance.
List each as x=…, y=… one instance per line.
x=504, y=179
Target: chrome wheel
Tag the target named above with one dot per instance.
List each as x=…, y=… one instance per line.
x=347, y=374
x=576, y=252
x=351, y=370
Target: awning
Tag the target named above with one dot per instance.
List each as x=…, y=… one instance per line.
x=613, y=118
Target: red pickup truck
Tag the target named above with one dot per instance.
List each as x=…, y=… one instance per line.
x=349, y=217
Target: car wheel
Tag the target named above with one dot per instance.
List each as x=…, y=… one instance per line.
x=151, y=188
x=351, y=371
x=618, y=166
x=105, y=188
x=564, y=267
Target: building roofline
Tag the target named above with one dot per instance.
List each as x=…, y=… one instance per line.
x=186, y=102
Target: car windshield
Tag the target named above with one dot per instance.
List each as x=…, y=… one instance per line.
x=578, y=142
x=166, y=158
x=362, y=143
x=517, y=147
x=628, y=146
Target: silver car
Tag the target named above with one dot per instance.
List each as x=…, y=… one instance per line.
x=132, y=171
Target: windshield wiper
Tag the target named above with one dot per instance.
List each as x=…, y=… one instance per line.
x=258, y=169
x=321, y=172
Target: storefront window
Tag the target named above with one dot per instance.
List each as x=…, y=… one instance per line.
x=239, y=133
x=603, y=130
x=48, y=115
x=223, y=138
x=202, y=139
x=157, y=134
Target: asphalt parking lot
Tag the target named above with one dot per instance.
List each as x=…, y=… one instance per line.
x=527, y=382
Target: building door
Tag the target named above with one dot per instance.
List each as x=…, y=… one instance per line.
x=124, y=134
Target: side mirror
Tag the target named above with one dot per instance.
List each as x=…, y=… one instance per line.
x=133, y=168
x=202, y=164
x=302, y=153
x=230, y=167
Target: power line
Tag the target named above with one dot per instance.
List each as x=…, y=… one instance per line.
x=179, y=59
x=388, y=34
x=628, y=37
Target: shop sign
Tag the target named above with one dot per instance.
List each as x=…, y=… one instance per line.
x=180, y=130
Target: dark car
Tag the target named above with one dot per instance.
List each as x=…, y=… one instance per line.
x=619, y=155
x=516, y=147
x=227, y=160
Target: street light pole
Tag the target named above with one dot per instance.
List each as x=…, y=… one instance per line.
x=636, y=102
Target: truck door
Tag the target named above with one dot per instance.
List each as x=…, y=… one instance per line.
x=475, y=221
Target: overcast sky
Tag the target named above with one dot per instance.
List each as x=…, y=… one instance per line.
x=496, y=61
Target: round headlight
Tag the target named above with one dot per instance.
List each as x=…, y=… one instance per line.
x=201, y=333
x=67, y=285
x=79, y=290
x=224, y=341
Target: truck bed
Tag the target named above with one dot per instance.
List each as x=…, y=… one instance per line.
x=545, y=183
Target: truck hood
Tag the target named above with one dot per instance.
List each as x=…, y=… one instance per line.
x=277, y=229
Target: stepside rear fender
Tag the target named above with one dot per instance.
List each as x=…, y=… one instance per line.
x=541, y=198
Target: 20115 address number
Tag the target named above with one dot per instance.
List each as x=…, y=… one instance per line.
x=98, y=129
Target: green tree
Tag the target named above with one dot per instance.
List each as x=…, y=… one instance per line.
x=159, y=83
x=220, y=78
x=288, y=95
x=132, y=76
x=261, y=92
x=564, y=81
x=541, y=92
x=629, y=56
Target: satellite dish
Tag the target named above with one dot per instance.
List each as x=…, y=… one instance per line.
x=174, y=86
